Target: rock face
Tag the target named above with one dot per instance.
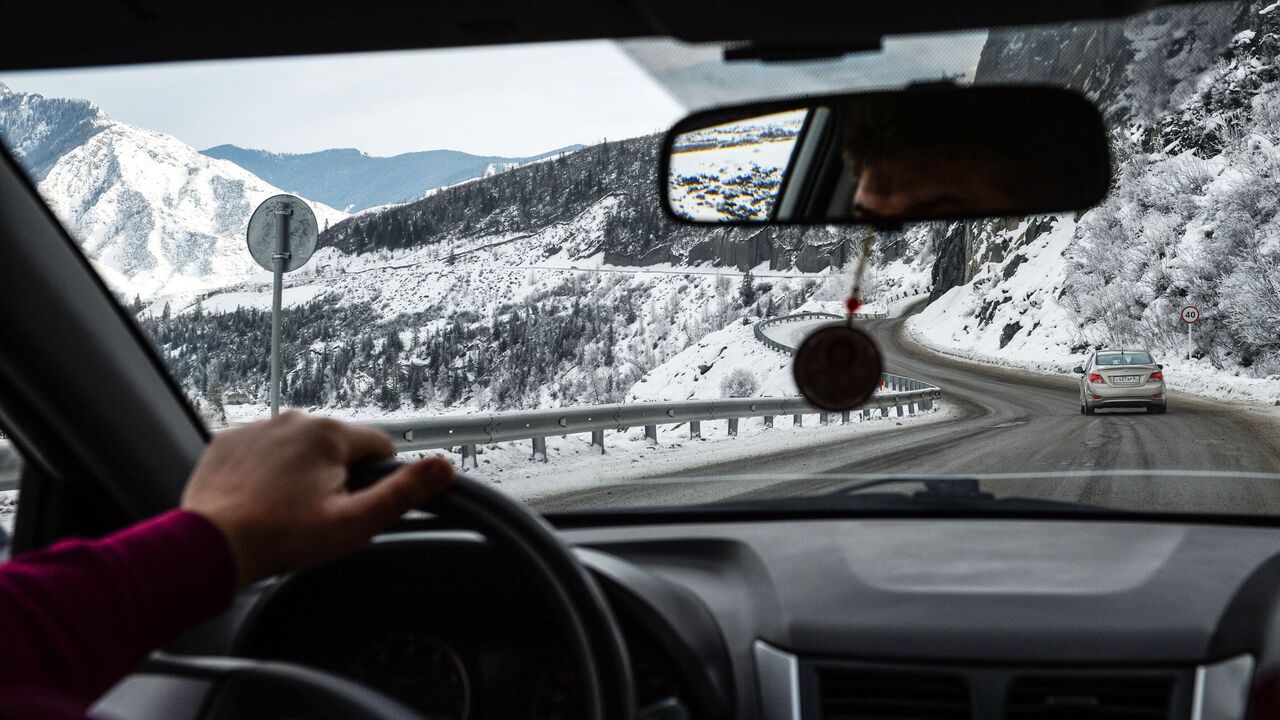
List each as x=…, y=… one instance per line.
x=1135, y=70
x=152, y=213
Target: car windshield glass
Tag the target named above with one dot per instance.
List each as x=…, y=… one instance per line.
x=1124, y=358
x=479, y=262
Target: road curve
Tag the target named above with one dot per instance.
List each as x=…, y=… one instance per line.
x=1010, y=422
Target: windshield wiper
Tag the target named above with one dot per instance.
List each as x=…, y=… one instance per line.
x=949, y=487
x=944, y=493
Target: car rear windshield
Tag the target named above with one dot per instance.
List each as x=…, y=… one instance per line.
x=1124, y=358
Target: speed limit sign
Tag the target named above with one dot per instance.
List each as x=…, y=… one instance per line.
x=1190, y=314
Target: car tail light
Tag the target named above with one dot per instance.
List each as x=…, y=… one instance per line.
x=1157, y=375
x=1095, y=377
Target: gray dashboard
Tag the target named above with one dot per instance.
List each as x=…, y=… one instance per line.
x=977, y=617
x=1004, y=594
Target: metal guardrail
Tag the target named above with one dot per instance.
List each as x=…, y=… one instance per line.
x=783, y=347
x=464, y=432
x=899, y=394
x=902, y=395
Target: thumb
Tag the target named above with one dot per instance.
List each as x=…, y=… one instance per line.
x=378, y=506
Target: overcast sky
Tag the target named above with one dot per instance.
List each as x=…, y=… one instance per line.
x=517, y=100
x=514, y=100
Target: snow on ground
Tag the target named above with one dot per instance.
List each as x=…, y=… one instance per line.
x=260, y=300
x=696, y=372
x=8, y=509
x=574, y=465
x=1014, y=319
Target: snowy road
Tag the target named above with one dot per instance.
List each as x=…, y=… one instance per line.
x=1013, y=421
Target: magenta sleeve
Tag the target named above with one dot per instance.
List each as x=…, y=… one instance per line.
x=81, y=615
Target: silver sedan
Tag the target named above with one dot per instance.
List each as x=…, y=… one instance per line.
x=1121, y=379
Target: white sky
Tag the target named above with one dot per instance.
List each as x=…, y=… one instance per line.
x=514, y=100
x=508, y=100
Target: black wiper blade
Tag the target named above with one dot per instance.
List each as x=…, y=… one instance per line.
x=955, y=487
x=946, y=493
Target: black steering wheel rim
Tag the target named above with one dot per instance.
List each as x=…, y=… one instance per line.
x=597, y=648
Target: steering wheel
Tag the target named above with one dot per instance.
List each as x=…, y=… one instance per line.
x=240, y=688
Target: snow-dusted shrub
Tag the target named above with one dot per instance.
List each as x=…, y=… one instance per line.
x=740, y=382
x=1250, y=303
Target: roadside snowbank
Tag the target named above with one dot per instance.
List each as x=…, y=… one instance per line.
x=1009, y=315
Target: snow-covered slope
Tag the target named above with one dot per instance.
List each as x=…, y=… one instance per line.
x=152, y=212
x=697, y=372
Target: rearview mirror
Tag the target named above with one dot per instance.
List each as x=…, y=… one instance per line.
x=1077, y=370
x=925, y=153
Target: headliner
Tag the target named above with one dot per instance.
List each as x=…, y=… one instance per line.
x=76, y=33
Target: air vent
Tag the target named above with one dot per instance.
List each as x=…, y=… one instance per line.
x=1090, y=697
x=859, y=694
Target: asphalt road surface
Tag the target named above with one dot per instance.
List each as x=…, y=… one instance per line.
x=1009, y=422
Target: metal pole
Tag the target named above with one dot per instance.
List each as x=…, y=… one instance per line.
x=1189, y=340
x=277, y=261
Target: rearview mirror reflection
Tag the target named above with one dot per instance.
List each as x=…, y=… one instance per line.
x=924, y=153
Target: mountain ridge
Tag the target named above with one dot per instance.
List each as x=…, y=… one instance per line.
x=153, y=214
x=353, y=180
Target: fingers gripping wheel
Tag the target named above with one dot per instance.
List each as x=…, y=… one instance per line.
x=597, y=644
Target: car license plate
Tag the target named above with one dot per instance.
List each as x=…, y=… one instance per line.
x=1126, y=379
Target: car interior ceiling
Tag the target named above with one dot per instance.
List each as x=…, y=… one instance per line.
x=85, y=32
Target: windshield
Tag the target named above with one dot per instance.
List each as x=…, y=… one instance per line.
x=1124, y=358
x=493, y=275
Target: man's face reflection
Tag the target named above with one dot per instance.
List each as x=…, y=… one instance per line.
x=930, y=181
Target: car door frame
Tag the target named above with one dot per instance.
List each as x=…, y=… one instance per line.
x=106, y=436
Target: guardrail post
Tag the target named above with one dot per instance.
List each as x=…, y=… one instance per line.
x=797, y=420
x=539, y=449
x=695, y=429
x=899, y=410
x=469, y=453
x=768, y=421
x=866, y=413
x=597, y=440
x=651, y=434
x=844, y=418
x=733, y=427
x=824, y=419
x=911, y=409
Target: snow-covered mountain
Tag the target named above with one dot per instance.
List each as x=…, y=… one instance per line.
x=155, y=215
x=352, y=180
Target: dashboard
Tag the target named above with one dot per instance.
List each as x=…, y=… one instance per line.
x=809, y=618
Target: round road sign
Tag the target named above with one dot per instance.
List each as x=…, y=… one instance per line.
x=302, y=229
x=1190, y=314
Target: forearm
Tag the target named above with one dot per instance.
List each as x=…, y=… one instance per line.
x=81, y=615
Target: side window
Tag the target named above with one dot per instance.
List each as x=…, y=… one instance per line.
x=10, y=471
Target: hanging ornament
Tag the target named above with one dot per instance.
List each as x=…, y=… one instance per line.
x=837, y=367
